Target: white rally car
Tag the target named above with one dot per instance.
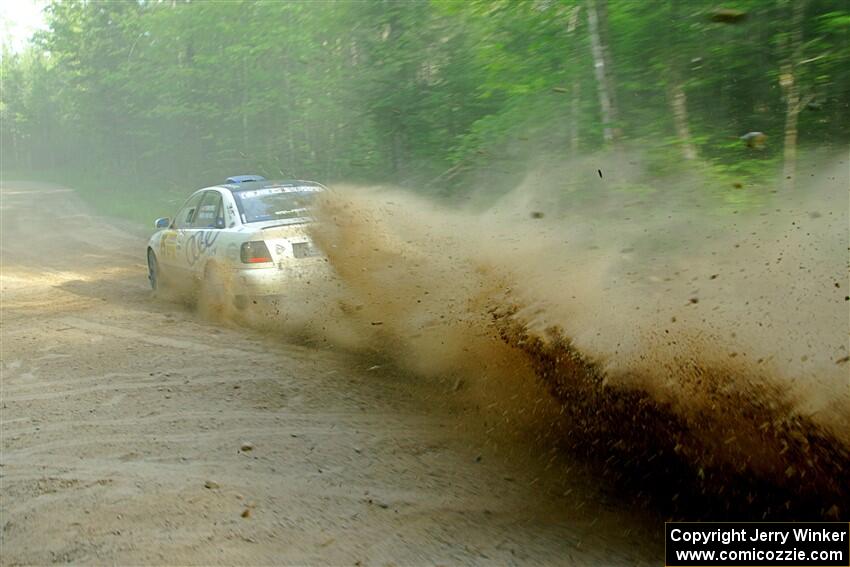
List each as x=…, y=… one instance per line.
x=244, y=239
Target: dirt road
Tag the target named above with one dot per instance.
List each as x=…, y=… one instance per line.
x=125, y=419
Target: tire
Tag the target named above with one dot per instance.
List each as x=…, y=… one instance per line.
x=154, y=274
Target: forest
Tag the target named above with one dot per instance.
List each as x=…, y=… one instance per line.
x=140, y=102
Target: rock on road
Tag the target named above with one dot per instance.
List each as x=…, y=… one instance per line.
x=126, y=423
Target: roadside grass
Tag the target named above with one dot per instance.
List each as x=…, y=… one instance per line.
x=127, y=199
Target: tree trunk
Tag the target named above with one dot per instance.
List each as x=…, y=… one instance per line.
x=675, y=82
x=789, y=167
x=606, y=106
x=575, y=112
x=396, y=150
x=243, y=108
x=286, y=116
x=15, y=149
x=605, y=42
x=679, y=106
x=575, y=103
x=791, y=91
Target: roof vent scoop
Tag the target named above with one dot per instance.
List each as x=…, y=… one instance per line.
x=244, y=178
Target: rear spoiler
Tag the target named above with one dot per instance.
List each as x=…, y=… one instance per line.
x=288, y=222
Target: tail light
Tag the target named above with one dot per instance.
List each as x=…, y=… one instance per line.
x=255, y=253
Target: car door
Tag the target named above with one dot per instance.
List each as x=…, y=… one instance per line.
x=200, y=240
x=172, y=243
x=174, y=240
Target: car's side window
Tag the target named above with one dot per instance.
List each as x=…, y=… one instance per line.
x=187, y=214
x=210, y=213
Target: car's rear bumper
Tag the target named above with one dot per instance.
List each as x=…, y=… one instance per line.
x=275, y=280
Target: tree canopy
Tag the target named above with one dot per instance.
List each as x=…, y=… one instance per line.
x=426, y=93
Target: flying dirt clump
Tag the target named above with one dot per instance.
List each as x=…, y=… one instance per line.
x=694, y=353
x=739, y=446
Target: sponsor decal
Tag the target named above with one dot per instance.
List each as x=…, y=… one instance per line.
x=200, y=244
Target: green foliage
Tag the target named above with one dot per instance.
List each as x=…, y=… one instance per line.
x=162, y=97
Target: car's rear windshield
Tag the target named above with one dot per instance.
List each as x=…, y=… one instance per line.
x=275, y=203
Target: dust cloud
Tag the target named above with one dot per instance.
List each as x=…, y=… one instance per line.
x=691, y=343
